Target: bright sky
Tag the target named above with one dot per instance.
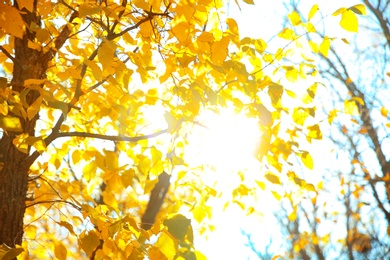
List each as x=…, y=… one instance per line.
x=228, y=142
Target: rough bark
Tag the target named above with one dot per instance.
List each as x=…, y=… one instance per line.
x=28, y=64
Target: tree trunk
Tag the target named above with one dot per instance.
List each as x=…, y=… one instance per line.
x=28, y=64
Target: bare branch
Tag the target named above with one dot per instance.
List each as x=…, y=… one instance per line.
x=7, y=54
x=111, y=137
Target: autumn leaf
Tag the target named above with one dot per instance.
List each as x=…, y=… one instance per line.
x=89, y=242
x=178, y=226
x=11, y=21
x=349, y=21
x=166, y=245
x=272, y=178
x=314, y=9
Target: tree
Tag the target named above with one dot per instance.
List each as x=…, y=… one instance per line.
x=78, y=149
x=354, y=72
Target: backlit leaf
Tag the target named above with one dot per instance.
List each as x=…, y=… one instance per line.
x=358, y=9
x=178, y=226
x=314, y=9
x=307, y=160
x=272, y=178
x=384, y=112
x=250, y=2
x=60, y=251
x=89, y=242
x=11, y=21
x=10, y=123
x=349, y=21
x=325, y=46
x=28, y=4
x=166, y=245
x=287, y=34
x=294, y=18
x=219, y=51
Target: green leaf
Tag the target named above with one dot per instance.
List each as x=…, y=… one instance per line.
x=178, y=226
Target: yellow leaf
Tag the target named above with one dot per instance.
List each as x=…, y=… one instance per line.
x=350, y=107
x=10, y=123
x=261, y=184
x=276, y=195
x=315, y=132
x=166, y=245
x=42, y=35
x=339, y=11
x=358, y=100
x=349, y=21
x=106, y=54
x=314, y=9
x=206, y=37
x=89, y=242
x=34, y=45
x=294, y=18
x=388, y=230
x=272, y=178
x=232, y=26
x=325, y=46
x=287, y=34
x=181, y=31
x=33, y=110
x=11, y=21
x=219, y=51
x=110, y=200
x=8, y=253
x=309, y=27
x=249, y=2
x=87, y=9
x=127, y=177
x=300, y=115
x=358, y=9
x=28, y=82
x=307, y=160
x=60, y=251
x=28, y=4
x=3, y=109
x=332, y=115
x=40, y=146
x=89, y=171
x=111, y=160
x=96, y=71
x=178, y=226
x=384, y=111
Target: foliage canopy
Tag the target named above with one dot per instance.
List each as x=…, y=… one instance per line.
x=80, y=154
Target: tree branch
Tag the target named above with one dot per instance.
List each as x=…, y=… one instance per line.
x=111, y=137
x=7, y=54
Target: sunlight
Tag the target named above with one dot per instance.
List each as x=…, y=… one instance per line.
x=224, y=141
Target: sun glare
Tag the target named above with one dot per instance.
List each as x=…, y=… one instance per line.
x=225, y=141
